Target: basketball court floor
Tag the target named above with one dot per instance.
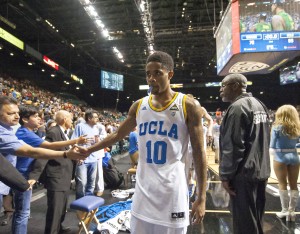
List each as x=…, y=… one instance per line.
x=218, y=219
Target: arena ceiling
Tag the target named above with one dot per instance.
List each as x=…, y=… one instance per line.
x=183, y=28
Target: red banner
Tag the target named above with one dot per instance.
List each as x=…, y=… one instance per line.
x=50, y=62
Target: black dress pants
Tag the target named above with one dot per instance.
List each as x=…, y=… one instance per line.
x=248, y=205
x=56, y=211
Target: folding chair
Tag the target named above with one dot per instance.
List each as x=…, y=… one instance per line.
x=86, y=208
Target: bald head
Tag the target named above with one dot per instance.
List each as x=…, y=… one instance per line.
x=61, y=116
x=237, y=78
x=233, y=86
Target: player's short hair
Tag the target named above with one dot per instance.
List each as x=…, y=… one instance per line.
x=162, y=57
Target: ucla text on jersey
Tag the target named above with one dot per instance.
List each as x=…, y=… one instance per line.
x=157, y=127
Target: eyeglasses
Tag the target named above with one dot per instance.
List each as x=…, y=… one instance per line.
x=224, y=85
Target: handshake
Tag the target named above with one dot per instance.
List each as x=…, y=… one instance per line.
x=79, y=152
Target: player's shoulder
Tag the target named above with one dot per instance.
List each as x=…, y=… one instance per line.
x=191, y=103
x=135, y=106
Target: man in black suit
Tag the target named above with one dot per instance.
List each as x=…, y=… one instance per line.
x=58, y=175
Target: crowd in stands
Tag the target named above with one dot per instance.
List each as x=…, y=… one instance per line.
x=48, y=103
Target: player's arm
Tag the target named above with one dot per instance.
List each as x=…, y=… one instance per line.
x=125, y=128
x=195, y=129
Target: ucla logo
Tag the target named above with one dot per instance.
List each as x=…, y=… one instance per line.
x=159, y=128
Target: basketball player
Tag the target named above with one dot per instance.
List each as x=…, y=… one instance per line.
x=166, y=121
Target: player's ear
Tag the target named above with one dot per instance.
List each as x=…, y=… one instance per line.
x=170, y=74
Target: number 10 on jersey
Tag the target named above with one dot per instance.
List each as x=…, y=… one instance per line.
x=157, y=152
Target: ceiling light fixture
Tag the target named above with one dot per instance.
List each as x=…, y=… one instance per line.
x=144, y=9
x=93, y=14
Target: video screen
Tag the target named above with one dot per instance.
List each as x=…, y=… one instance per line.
x=110, y=80
x=290, y=74
x=224, y=41
x=268, y=26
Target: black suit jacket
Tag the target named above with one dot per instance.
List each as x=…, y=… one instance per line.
x=10, y=176
x=58, y=172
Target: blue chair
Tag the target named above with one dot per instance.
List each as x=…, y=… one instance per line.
x=86, y=208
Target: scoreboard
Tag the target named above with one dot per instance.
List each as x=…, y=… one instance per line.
x=273, y=41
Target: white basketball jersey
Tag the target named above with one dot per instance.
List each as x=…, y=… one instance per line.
x=161, y=192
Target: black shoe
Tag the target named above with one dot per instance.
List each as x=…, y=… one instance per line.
x=65, y=229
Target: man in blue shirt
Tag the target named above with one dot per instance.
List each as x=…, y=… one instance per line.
x=5, y=191
x=86, y=170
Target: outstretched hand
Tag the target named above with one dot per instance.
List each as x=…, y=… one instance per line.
x=198, y=211
x=77, y=152
x=83, y=150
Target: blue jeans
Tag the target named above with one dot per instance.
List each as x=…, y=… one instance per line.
x=22, y=211
x=85, y=179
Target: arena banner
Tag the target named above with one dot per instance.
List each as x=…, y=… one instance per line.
x=11, y=39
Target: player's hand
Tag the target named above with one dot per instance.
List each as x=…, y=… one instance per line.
x=83, y=150
x=228, y=187
x=77, y=152
x=198, y=211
